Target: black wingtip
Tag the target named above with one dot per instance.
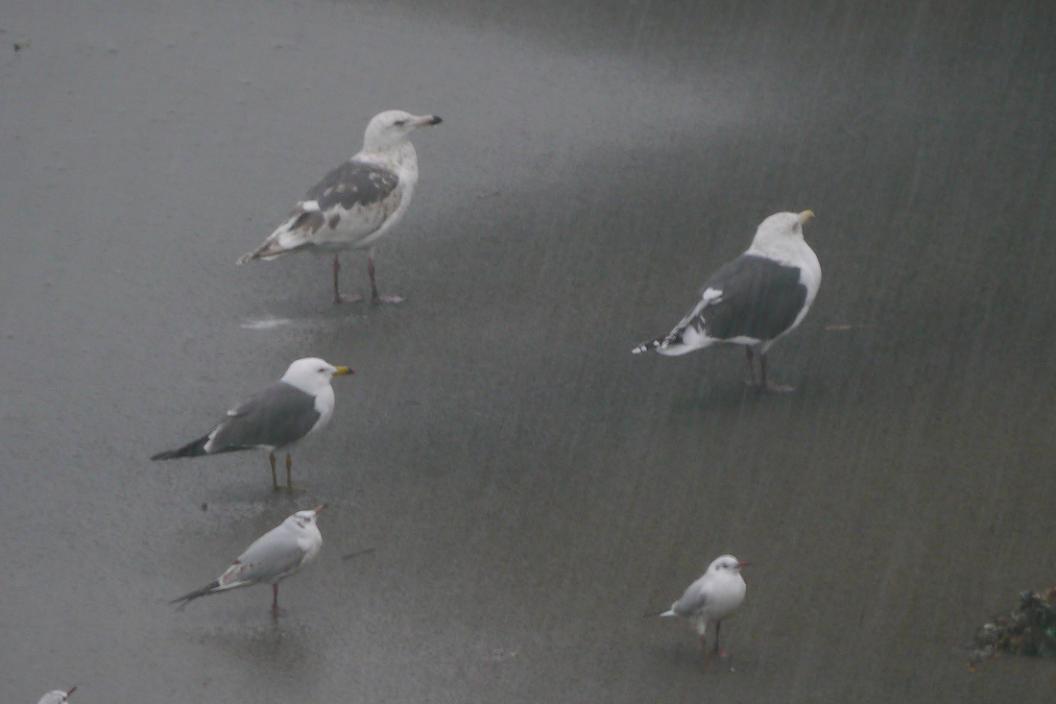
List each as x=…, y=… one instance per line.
x=197, y=593
x=194, y=448
x=648, y=345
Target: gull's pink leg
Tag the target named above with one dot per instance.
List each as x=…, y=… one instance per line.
x=374, y=297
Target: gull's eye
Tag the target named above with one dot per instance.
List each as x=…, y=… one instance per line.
x=400, y=123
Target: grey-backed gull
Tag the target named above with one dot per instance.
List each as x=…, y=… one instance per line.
x=713, y=597
x=358, y=202
x=754, y=299
x=270, y=559
x=297, y=405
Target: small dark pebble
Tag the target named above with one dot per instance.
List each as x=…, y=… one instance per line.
x=205, y=506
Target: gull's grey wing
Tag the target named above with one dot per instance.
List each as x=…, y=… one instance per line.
x=692, y=601
x=759, y=298
x=277, y=416
x=270, y=556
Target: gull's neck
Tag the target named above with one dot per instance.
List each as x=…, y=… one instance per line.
x=398, y=153
x=305, y=385
x=782, y=247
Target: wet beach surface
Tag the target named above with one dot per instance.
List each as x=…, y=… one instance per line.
x=529, y=487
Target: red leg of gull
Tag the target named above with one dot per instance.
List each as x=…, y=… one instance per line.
x=719, y=651
x=374, y=297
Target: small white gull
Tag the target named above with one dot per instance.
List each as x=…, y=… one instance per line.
x=271, y=558
x=753, y=300
x=57, y=696
x=356, y=203
x=296, y=406
x=710, y=599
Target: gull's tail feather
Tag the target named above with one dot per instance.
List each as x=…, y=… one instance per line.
x=649, y=345
x=194, y=448
x=667, y=614
x=658, y=614
x=291, y=236
x=187, y=598
x=675, y=343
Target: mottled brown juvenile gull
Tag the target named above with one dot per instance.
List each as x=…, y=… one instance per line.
x=753, y=300
x=271, y=558
x=358, y=202
x=297, y=405
x=713, y=597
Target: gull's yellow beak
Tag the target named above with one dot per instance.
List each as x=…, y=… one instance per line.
x=343, y=371
x=805, y=216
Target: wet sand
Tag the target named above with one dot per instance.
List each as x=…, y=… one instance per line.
x=529, y=487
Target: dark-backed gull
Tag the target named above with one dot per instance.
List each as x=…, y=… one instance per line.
x=358, y=202
x=296, y=406
x=270, y=559
x=754, y=299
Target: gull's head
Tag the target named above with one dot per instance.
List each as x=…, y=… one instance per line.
x=304, y=519
x=57, y=696
x=390, y=129
x=783, y=226
x=726, y=564
x=312, y=374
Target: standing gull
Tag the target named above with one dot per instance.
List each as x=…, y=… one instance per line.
x=712, y=598
x=57, y=696
x=358, y=202
x=271, y=558
x=297, y=405
x=754, y=299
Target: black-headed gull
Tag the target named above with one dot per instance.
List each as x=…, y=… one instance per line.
x=713, y=597
x=271, y=558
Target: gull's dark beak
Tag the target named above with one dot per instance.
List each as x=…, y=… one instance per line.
x=343, y=371
x=319, y=509
x=742, y=563
x=426, y=120
x=71, y=690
